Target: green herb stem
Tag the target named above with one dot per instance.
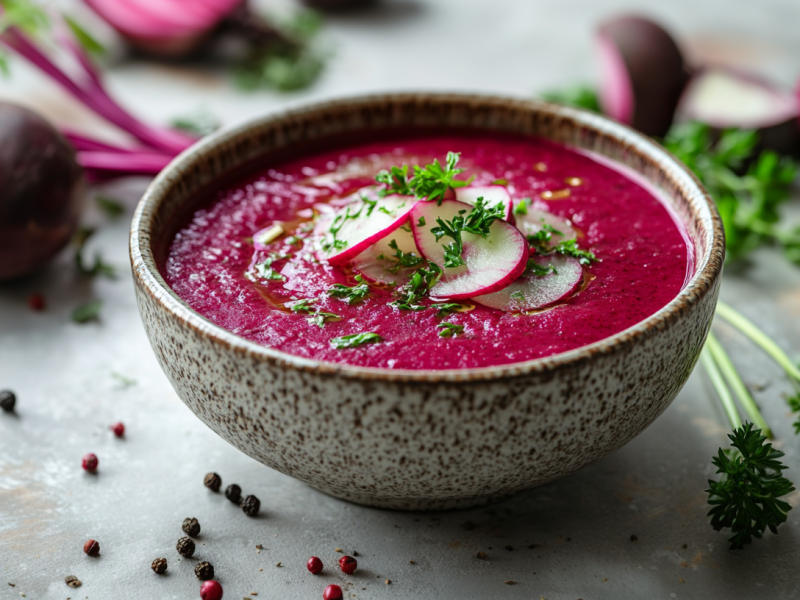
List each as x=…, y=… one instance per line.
x=723, y=392
x=735, y=382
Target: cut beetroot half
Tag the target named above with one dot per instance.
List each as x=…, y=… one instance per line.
x=535, y=220
x=531, y=292
x=379, y=262
x=491, y=262
x=643, y=74
x=491, y=194
x=345, y=234
x=724, y=98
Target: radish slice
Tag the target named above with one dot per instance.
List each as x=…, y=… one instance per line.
x=530, y=291
x=492, y=262
x=378, y=264
x=536, y=219
x=491, y=194
x=347, y=233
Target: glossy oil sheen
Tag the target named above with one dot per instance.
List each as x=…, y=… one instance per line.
x=643, y=252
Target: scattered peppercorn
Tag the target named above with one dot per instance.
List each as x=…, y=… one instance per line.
x=233, y=493
x=332, y=592
x=685, y=546
x=251, y=505
x=204, y=571
x=8, y=400
x=411, y=562
x=191, y=527
x=90, y=463
x=73, y=581
x=337, y=549
x=159, y=566
x=348, y=564
x=185, y=547
x=212, y=481
x=211, y=590
x=118, y=429
x=91, y=547
x=314, y=565
x=36, y=302
x=355, y=553
x=510, y=548
x=482, y=555
x=388, y=581
x=634, y=538
x=510, y=582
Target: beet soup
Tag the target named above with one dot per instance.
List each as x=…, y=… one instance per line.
x=485, y=250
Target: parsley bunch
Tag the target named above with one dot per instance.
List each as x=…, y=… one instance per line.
x=747, y=497
x=478, y=221
x=428, y=183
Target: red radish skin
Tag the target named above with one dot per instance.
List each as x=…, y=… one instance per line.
x=372, y=225
x=491, y=194
x=492, y=262
x=534, y=221
x=643, y=74
x=376, y=265
x=530, y=292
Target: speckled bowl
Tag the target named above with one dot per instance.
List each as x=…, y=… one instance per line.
x=421, y=440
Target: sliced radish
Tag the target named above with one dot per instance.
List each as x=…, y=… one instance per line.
x=492, y=262
x=347, y=233
x=530, y=291
x=378, y=263
x=491, y=194
x=536, y=219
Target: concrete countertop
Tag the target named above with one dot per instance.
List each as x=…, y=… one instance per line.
x=567, y=540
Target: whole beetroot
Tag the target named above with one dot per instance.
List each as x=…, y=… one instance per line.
x=42, y=191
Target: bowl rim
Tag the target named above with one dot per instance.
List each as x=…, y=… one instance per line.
x=708, y=266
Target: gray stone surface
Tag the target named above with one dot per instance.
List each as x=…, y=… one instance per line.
x=66, y=377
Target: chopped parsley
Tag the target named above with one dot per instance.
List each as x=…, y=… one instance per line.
x=500, y=182
x=351, y=295
x=446, y=308
x=401, y=260
x=354, y=340
x=421, y=222
x=319, y=318
x=449, y=329
x=541, y=238
x=538, y=270
x=410, y=295
x=570, y=248
x=87, y=312
x=428, y=183
x=522, y=206
x=316, y=316
x=305, y=305
x=478, y=221
x=518, y=296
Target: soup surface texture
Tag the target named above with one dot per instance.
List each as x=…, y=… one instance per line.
x=643, y=257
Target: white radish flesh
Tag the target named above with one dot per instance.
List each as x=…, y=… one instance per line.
x=530, y=292
x=533, y=222
x=378, y=263
x=354, y=228
x=491, y=262
x=491, y=194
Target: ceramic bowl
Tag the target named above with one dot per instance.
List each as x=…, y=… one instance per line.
x=421, y=440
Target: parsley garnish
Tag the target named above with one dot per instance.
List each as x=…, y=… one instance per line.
x=518, y=296
x=541, y=238
x=417, y=288
x=316, y=316
x=356, y=339
x=570, y=248
x=305, y=305
x=428, y=183
x=449, y=329
x=97, y=269
x=478, y=221
x=319, y=318
x=746, y=498
x=351, y=295
x=87, y=312
x=401, y=260
x=445, y=308
x=538, y=270
x=421, y=222
x=522, y=206
x=113, y=208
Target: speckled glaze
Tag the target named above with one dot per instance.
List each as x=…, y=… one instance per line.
x=422, y=440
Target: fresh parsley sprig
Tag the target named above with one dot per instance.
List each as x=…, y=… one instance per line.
x=265, y=270
x=430, y=182
x=447, y=329
x=402, y=260
x=351, y=295
x=478, y=222
x=411, y=294
x=446, y=308
x=746, y=499
x=354, y=340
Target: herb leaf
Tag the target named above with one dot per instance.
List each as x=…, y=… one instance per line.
x=570, y=248
x=445, y=308
x=410, y=295
x=430, y=182
x=449, y=329
x=478, y=222
x=582, y=96
x=356, y=339
x=746, y=499
x=113, y=208
x=402, y=260
x=97, y=269
x=351, y=295
x=521, y=208
x=319, y=318
x=395, y=180
x=87, y=312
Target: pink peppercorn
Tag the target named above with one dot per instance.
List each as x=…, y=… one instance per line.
x=36, y=302
x=348, y=564
x=332, y=592
x=91, y=547
x=211, y=590
x=118, y=429
x=90, y=462
x=314, y=565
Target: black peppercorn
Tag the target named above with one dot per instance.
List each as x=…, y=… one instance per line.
x=233, y=493
x=212, y=481
x=185, y=547
x=191, y=527
x=159, y=566
x=251, y=505
x=204, y=571
x=7, y=400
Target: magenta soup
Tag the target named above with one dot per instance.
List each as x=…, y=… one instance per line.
x=601, y=253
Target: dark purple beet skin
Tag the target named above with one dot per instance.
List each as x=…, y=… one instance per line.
x=644, y=74
x=643, y=252
x=42, y=191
